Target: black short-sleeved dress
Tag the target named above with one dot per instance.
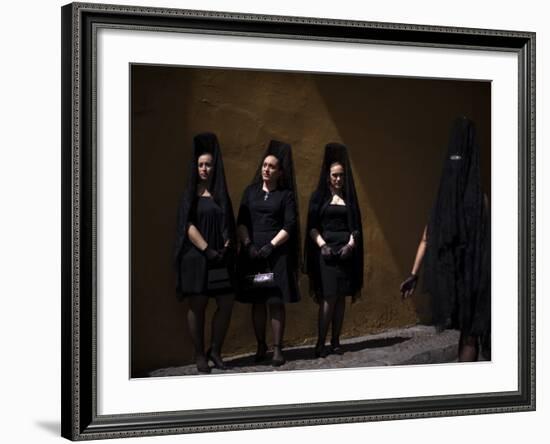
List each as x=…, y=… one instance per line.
x=207, y=216
x=336, y=274
x=264, y=215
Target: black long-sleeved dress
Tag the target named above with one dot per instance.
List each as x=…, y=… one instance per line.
x=207, y=217
x=333, y=276
x=336, y=274
x=264, y=215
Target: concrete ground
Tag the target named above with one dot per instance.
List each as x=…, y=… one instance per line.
x=413, y=345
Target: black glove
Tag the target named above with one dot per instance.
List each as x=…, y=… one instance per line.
x=266, y=250
x=345, y=252
x=223, y=252
x=212, y=256
x=252, y=251
x=408, y=286
x=327, y=252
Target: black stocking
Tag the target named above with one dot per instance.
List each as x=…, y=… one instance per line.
x=277, y=314
x=259, y=320
x=220, y=321
x=338, y=320
x=326, y=310
x=195, y=319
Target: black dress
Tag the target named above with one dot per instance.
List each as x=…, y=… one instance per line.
x=336, y=274
x=207, y=216
x=264, y=215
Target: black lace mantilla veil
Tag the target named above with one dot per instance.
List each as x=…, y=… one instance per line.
x=457, y=261
x=203, y=143
x=283, y=152
x=320, y=199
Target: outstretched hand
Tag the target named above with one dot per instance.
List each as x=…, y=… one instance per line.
x=408, y=286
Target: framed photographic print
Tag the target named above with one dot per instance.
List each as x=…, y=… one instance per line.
x=342, y=263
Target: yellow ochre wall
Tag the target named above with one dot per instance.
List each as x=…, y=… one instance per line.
x=396, y=130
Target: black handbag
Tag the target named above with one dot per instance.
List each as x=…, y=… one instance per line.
x=218, y=280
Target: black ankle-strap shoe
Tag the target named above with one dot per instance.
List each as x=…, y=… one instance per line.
x=321, y=351
x=261, y=352
x=216, y=359
x=202, y=365
x=278, y=357
x=336, y=349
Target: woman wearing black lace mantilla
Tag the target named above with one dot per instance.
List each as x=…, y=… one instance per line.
x=334, y=245
x=205, y=248
x=268, y=230
x=455, y=248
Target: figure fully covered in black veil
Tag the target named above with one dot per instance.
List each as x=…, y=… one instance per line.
x=205, y=245
x=334, y=245
x=455, y=247
x=268, y=228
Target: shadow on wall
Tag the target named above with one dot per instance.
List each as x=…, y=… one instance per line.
x=159, y=100
x=396, y=131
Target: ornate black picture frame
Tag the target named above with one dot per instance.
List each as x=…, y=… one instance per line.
x=80, y=418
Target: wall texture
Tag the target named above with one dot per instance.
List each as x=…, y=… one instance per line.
x=396, y=130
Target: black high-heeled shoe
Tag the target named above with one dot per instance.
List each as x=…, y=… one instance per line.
x=321, y=351
x=261, y=352
x=202, y=365
x=216, y=359
x=336, y=348
x=278, y=357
